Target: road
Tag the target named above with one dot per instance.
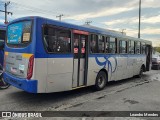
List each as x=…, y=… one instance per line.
x=134, y=94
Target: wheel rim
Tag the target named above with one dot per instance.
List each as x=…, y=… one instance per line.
x=101, y=81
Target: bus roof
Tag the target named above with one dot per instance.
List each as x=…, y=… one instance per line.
x=83, y=28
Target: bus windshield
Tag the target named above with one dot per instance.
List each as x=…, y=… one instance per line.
x=19, y=34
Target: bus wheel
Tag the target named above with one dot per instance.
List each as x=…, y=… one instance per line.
x=140, y=73
x=100, y=81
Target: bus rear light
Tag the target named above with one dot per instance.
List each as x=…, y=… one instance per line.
x=30, y=67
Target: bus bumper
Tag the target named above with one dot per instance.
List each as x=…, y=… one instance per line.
x=24, y=84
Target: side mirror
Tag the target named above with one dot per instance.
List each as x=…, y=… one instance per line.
x=1, y=45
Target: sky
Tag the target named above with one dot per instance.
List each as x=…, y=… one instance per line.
x=109, y=14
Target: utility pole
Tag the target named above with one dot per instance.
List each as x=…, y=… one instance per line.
x=139, y=31
x=123, y=31
x=6, y=12
x=88, y=22
x=60, y=17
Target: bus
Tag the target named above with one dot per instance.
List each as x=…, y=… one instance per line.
x=2, y=38
x=44, y=56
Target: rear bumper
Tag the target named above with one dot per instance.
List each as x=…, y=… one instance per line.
x=24, y=84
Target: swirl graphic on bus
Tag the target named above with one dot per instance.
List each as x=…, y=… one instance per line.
x=110, y=62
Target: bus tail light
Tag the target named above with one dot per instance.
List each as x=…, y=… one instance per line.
x=30, y=67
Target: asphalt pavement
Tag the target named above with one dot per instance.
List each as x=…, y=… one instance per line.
x=134, y=94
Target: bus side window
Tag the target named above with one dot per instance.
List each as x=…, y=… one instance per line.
x=107, y=45
x=112, y=45
x=122, y=46
x=94, y=43
x=143, y=48
x=101, y=43
x=49, y=34
x=131, y=47
x=57, y=40
x=137, y=47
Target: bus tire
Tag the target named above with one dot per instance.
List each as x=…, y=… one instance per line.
x=140, y=72
x=100, y=81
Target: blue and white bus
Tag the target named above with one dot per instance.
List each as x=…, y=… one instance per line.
x=2, y=39
x=43, y=56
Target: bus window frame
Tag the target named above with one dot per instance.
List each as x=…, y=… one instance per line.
x=126, y=52
x=90, y=43
x=20, y=45
x=143, y=44
x=103, y=38
x=59, y=27
x=116, y=44
x=136, y=47
x=133, y=47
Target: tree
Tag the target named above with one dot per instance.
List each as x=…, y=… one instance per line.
x=158, y=49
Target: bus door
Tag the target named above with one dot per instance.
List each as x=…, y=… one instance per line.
x=80, y=39
x=148, y=57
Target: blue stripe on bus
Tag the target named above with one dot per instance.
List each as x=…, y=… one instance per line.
x=90, y=56
x=24, y=84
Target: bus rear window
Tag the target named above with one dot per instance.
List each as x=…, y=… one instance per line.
x=19, y=34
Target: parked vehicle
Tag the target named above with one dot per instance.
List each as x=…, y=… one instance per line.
x=156, y=62
x=3, y=85
x=2, y=38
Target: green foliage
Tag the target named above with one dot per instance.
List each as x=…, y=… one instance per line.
x=158, y=49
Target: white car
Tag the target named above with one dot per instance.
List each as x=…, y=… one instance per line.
x=156, y=62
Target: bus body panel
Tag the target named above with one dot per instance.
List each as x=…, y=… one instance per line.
x=122, y=67
x=138, y=61
x=93, y=69
x=130, y=70
x=52, y=66
x=100, y=62
x=40, y=66
x=59, y=76
x=40, y=74
x=17, y=63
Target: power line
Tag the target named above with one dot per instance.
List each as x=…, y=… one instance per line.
x=35, y=9
x=6, y=12
x=42, y=11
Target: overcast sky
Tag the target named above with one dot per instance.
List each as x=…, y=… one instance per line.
x=109, y=14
